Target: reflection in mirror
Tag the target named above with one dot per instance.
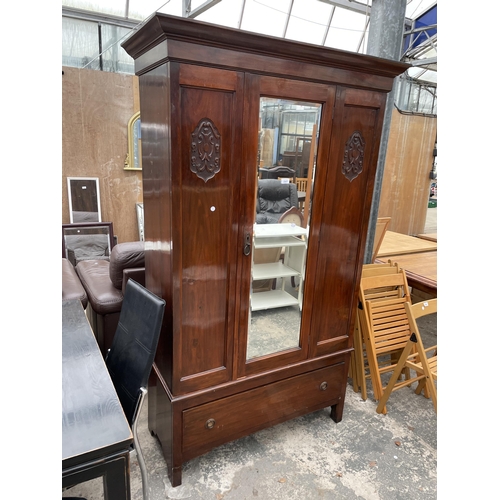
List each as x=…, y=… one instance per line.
x=84, y=201
x=87, y=241
x=286, y=165
x=139, y=208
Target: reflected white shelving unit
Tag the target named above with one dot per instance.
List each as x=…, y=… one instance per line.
x=293, y=239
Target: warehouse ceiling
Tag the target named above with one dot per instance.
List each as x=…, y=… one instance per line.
x=341, y=24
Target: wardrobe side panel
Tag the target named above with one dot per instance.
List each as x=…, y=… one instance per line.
x=154, y=89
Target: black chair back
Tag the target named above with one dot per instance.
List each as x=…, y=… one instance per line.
x=132, y=352
x=273, y=199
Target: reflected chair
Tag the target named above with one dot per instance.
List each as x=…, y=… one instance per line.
x=277, y=172
x=130, y=358
x=301, y=183
x=384, y=323
x=423, y=362
x=274, y=198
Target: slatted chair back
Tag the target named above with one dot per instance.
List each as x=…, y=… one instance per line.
x=301, y=186
x=415, y=357
x=359, y=369
x=301, y=183
x=384, y=323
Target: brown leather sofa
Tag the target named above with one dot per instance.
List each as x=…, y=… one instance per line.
x=104, y=282
x=71, y=285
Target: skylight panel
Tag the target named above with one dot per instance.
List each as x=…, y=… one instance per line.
x=346, y=30
x=267, y=17
x=142, y=9
x=308, y=24
x=112, y=7
x=226, y=13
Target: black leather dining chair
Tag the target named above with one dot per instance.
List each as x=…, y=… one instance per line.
x=130, y=358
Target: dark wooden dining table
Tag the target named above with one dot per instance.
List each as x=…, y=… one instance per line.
x=96, y=437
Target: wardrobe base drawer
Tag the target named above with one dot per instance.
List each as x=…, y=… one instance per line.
x=212, y=424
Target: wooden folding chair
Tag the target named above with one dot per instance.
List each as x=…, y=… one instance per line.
x=420, y=362
x=358, y=369
x=301, y=186
x=384, y=323
x=380, y=230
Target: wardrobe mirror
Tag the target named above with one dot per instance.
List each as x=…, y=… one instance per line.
x=286, y=162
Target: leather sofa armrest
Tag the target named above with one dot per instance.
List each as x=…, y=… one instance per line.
x=137, y=274
x=72, y=287
x=129, y=255
x=102, y=295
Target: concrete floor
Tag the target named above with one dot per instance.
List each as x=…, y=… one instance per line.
x=365, y=456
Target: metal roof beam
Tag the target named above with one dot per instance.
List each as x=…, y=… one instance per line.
x=358, y=7
x=187, y=12
x=288, y=18
x=85, y=15
x=424, y=62
x=422, y=47
x=241, y=14
x=327, y=27
x=417, y=30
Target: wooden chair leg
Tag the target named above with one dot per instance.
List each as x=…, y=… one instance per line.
x=353, y=372
x=362, y=375
x=433, y=392
x=422, y=384
x=381, y=408
x=359, y=375
x=374, y=372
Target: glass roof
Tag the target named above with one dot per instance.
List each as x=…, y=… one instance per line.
x=341, y=24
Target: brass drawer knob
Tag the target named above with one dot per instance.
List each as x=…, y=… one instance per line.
x=323, y=386
x=210, y=423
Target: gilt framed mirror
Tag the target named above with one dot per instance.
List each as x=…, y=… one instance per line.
x=134, y=154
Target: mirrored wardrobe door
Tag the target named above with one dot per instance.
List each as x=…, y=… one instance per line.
x=287, y=155
x=287, y=144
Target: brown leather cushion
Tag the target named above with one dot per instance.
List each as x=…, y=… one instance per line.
x=71, y=285
x=124, y=256
x=102, y=295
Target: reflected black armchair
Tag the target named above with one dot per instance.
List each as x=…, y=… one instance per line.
x=279, y=171
x=274, y=199
x=130, y=358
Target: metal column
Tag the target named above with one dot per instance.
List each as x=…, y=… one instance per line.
x=384, y=40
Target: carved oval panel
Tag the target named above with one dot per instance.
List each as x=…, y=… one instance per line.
x=353, y=156
x=205, y=150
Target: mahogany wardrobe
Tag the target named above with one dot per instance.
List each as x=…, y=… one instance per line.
x=217, y=106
